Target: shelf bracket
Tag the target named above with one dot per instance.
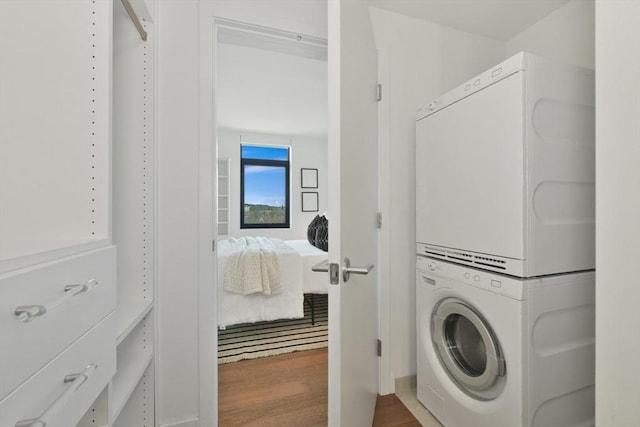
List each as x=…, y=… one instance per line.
x=135, y=19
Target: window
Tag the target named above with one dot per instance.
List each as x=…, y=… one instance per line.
x=264, y=187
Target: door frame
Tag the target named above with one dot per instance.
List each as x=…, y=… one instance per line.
x=386, y=383
x=209, y=26
x=207, y=218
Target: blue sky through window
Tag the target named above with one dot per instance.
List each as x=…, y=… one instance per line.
x=264, y=152
x=264, y=185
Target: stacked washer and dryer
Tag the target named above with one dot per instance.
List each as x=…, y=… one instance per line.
x=505, y=173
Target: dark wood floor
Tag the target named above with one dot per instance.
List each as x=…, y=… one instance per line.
x=391, y=412
x=289, y=390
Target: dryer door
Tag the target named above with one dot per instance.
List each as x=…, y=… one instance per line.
x=467, y=348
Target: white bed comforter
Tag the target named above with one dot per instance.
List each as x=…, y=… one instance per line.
x=312, y=282
x=253, y=267
x=234, y=308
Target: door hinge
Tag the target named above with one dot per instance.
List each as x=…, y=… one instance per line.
x=378, y=92
x=379, y=220
x=213, y=246
x=379, y=343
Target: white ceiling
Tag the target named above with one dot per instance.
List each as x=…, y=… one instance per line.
x=269, y=92
x=498, y=19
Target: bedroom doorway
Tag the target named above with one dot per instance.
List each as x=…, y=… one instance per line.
x=271, y=145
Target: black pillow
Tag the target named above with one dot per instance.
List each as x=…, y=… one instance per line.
x=312, y=230
x=322, y=234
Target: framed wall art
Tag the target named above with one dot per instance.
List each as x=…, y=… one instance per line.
x=309, y=201
x=308, y=178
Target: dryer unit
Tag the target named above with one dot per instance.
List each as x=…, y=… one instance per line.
x=496, y=351
x=505, y=170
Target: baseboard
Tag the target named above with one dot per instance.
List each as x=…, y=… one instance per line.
x=406, y=392
x=406, y=384
x=194, y=422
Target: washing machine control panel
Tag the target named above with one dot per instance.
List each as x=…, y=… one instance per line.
x=496, y=283
x=433, y=269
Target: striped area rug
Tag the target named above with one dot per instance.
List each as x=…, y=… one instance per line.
x=262, y=339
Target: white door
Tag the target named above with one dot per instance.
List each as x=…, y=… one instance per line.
x=353, y=196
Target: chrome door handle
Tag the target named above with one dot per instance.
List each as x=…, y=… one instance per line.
x=332, y=269
x=347, y=270
x=322, y=267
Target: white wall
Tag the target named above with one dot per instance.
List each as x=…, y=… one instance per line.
x=425, y=60
x=305, y=153
x=566, y=35
x=617, y=211
x=263, y=91
x=185, y=159
x=177, y=215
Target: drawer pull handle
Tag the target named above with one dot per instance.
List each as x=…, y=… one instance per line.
x=26, y=313
x=74, y=382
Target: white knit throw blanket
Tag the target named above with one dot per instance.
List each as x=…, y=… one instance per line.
x=253, y=267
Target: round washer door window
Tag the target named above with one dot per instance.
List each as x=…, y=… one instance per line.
x=467, y=348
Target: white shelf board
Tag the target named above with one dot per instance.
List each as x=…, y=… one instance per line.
x=130, y=368
x=128, y=315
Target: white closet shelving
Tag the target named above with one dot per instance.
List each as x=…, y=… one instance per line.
x=129, y=399
x=77, y=175
x=55, y=208
x=224, y=195
x=54, y=133
x=133, y=215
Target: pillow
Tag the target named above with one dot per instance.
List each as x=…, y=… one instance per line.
x=318, y=232
x=322, y=234
x=312, y=230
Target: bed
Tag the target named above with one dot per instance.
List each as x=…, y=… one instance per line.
x=312, y=282
x=295, y=259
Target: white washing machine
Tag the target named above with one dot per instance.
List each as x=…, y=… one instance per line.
x=499, y=351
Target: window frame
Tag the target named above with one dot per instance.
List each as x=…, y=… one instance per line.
x=286, y=164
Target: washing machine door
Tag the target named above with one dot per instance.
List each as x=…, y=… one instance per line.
x=467, y=348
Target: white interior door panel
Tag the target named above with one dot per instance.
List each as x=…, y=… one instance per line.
x=353, y=196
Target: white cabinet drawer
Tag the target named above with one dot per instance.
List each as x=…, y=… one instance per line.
x=61, y=317
x=47, y=398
